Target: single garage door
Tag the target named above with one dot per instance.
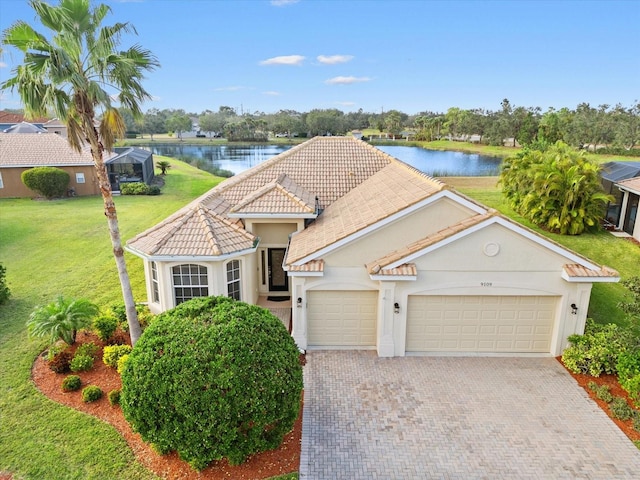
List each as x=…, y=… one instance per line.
x=480, y=324
x=342, y=318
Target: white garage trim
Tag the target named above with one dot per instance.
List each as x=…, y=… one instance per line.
x=342, y=319
x=495, y=324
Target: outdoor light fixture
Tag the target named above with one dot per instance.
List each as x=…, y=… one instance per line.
x=299, y=302
x=396, y=307
x=574, y=309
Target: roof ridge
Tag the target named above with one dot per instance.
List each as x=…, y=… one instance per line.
x=209, y=229
x=179, y=220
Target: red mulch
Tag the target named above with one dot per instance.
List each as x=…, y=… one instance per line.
x=615, y=389
x=286, y=459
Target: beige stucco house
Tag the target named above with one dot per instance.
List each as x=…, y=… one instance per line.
x=370, y=253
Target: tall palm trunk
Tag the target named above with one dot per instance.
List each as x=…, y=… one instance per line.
x=97, y=152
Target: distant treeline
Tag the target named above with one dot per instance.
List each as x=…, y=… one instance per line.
x=616, y=128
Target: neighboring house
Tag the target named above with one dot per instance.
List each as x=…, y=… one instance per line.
x=611, y=173
x=22, y=151
x=9, y=119
x=630, y=190
x=24, y=127
x=374, y=255
x=57, y=127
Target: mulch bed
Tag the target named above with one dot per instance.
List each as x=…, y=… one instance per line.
x=616, y=390
x=285, y=459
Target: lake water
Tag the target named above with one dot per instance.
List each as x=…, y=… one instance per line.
x=238, y=158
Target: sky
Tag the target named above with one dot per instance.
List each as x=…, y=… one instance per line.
x=374, y=55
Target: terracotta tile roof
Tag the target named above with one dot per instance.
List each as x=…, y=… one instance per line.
x=9, y=117
x=378, y=265
x=41, y=149
x=631, y=184
x=312, y=266
x=404, y=270
x=323, y=167
x=578, y=271
x=194, y=231
x=283, y=196
x=392, y=189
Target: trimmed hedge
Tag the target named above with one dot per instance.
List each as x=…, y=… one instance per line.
x=91, y=393
x=50, y=182
x=211, y=379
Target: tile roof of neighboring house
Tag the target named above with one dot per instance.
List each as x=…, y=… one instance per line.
x=24, y=127
x=10, y=117
x=632, y=184
x=41, y=150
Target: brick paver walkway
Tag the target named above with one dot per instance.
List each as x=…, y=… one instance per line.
x=454, y=418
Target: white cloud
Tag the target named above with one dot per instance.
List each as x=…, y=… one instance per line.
x=334, y=59
x=283, y=3
x=3, y=65
x=346, y=104
x=346, y=80
x=284, y=60
x=272, y=93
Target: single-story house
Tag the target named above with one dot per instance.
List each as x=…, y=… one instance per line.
x=370, y=253
x=630, y=191
x=23, y=151
x=9, y=119
x=27, y=147
x=611, y=173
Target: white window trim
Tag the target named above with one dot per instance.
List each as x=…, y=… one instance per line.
x=1, y=181
x=155, y=284
x=202, y=287
x=80, y=178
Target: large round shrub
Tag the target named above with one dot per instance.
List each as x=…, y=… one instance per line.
x=48, y=181
x=211, y=379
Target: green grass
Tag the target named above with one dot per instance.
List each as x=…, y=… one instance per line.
x=63, y=247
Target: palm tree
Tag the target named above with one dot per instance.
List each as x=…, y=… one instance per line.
x=75, y=73
x=163, y=165
x=61, y=319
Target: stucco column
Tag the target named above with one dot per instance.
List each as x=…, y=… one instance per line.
x=386, y=315
x=299, y=312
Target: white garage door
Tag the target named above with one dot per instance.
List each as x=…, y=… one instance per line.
x=480, y=324
x=342, y=318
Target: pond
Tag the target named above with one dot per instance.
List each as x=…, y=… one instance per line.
x=238, y=158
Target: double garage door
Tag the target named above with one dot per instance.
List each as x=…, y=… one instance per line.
x=342, y=318
x=347, y=319
x=480, y=324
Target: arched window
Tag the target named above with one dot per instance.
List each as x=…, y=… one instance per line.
x=233, y=279
x=189, y=281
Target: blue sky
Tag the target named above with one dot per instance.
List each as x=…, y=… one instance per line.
x=262, y=55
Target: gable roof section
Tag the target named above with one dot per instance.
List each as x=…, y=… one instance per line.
x=631, y=185
x=391, y=190
x=580, y=268
x=194, y=232
x=280, y=197
x=41, y=150
x=24, y=127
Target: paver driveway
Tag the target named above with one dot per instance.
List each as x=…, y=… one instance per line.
x=456, y=418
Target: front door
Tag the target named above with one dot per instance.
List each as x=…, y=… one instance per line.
x=278, y=279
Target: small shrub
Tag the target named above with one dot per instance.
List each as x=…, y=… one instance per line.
x=55, y=349
x=620, y=409
x=636, y=420
x=49, y=182
x=632, y=386
x=81, y=363
x=89, y=349
x=118, y=338
x=5, y=293
x=112, y=353
x=61, y=362
x=121, y=363
x=114, y=397
x=120, y=312
x=593, y=386
x=136, y=188
x=604, y=394
x=91, y=393
x=71, y=383
x=154, y=190
x=105, y=326
x=596, y=351
x=629, y=372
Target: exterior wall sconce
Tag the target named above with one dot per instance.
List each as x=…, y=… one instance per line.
x=396, y=307
x=574, y=309
x=299, y=302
